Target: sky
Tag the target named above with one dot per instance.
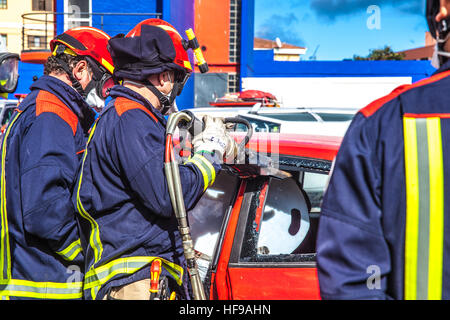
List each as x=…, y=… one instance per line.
x=340, y=29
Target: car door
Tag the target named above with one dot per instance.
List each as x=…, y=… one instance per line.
x=268, y=248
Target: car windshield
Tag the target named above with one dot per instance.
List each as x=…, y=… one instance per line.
x=335, y=116
x=206, y=217
x=289, y=116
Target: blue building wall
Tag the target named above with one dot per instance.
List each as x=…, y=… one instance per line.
x=26, y=73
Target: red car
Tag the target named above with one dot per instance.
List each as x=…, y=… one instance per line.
x=255, y=230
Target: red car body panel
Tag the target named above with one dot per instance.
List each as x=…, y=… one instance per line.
x=298, y=145
x=274, y=283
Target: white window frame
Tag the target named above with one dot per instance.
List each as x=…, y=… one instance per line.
x=70, y=22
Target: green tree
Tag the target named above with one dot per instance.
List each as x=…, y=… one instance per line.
x=381, y=54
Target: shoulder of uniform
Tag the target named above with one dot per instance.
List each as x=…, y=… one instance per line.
x=123, y=105
x=373, y=107
x=48, y=102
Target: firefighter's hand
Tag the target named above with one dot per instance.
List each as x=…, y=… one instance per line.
x=215, y=139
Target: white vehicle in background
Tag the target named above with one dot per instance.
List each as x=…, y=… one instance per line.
x=311, y=121
x=267, y=114
x=7, y=108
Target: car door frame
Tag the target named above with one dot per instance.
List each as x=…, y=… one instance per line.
x=228, y=270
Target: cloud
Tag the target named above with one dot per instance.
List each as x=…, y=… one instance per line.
x=332, y=9
x=281, y=26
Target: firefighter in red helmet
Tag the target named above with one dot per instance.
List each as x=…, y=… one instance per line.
x=126, y=214
x=41, y=255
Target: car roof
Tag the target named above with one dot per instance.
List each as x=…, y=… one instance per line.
x=280, y=114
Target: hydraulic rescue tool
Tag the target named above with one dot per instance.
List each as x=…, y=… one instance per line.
x=186, y=120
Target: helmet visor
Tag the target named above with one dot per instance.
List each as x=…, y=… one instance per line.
x=181, y=78
x=9, y=73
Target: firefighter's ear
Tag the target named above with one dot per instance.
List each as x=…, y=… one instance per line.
x=82, y=73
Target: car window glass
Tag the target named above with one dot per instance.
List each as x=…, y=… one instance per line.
x=205, y=219
x=314, y=185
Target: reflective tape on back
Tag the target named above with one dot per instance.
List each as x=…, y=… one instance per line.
x=424, y=208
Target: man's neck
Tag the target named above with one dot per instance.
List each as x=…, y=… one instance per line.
x=143, y=91
x=61, y=76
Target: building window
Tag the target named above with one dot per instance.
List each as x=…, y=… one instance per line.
x=3, y=4
x=42, y=5
x=3, y=41
x=235, y=22
x=36, y=42
x=233, y=83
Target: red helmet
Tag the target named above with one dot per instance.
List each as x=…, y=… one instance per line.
x=86, y=41
x=151, y=47
x=181, y=57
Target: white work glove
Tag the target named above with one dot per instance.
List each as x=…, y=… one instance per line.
x=215, y=139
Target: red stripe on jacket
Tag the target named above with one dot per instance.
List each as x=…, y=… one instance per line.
x=48, y=102
x=123, y=105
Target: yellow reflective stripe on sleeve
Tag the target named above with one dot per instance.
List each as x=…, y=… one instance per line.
x=5, y=258
x=436, y=250
x=71, y=251
x=412, y=207
x=94, y=238
x=40, y=290
x=96, y=277
x=206, y=168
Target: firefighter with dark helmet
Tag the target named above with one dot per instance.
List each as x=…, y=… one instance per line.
x=125, y=212
x=41, y=255
x=383, y=231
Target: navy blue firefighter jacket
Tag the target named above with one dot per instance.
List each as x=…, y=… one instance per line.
x=385, y=223
x=41, y=255
x=126, y=215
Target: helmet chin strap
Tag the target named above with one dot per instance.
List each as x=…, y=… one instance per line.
x=75, y=83
x=165, y=101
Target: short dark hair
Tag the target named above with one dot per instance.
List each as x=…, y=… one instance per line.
x=52, y=64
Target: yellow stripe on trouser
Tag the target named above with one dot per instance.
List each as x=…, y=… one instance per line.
x=96, y=277
x=40, y=290
x=426, y=207
x=71, y=251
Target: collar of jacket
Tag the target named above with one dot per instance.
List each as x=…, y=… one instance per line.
x=121, y=91
x=443, y=68
x=69, y=97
